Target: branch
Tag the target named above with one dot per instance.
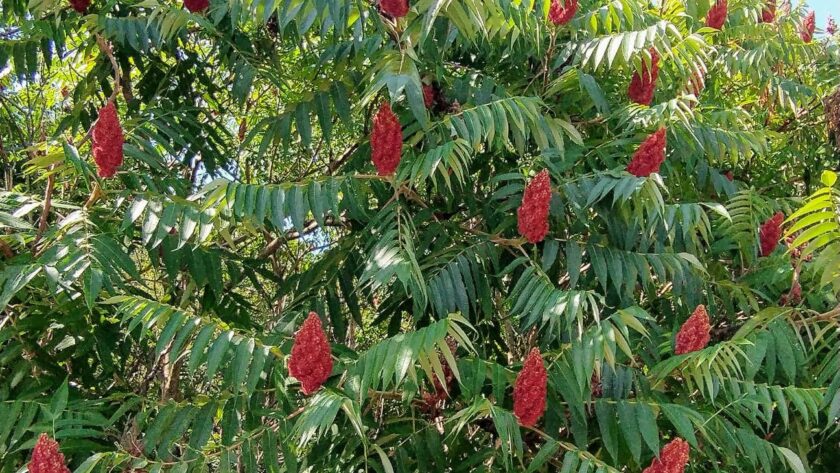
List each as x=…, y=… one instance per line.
x=784, y=126
x=334, y=165
x=45, y=213
x=6, y=250
x=105, y=47
x=309, y=227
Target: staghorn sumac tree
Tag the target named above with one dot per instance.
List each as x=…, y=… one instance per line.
x=324, y=235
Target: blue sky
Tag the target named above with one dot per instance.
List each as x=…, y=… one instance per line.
x=823, y=9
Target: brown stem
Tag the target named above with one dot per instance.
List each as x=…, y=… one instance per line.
x=309, y=227
x=105, y=47
x=334, y=165
x=6, y=250
x=45, y=213
x=94, y=196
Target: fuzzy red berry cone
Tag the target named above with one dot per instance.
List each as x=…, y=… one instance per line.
x=808, y=26
x=46, y=457
x=694, y=333
x=595, y=386
x=769, y=233
x=560, y=14
x=650, y=155
x=394, y=8
x=429, y=95
x=717, y=15
x=196, y=6
x=643, y=83
x=80, y=5
x=529, y=390
x=311, y=361
x=386, y=140
x=532, y=216
x=673, y=458
x=729, y=176
x=108, y=141
x=768, y=14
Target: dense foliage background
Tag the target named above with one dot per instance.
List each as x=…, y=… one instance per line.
x=146, y=320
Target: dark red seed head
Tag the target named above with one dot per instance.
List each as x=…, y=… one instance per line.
x=386, y=140
x=673, y=458
x=562, y=11
x=643, y=83
x=529, y=391
x=694, y=333
x=532, y=216
x=650, y=155
x=46, y=457
x=394, y=8
x=717, y=15
x=108, y=141
x=311, y=361
x=768, y=14
x=196, y=6
x=806, y=31
x=80, y=5
x=770, y=232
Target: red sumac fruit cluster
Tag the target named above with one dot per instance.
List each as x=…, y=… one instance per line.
x=717, y=15
x=196, y=6
x=562, y=13
x=46, y=457
x=650, y=155
x=643, y=83
x=806, y=31
x=386, y=140
x=80, y=5
x=768, y=14
x=770, y=232
x=311, y=360
x=673, y=458
x=394, y=8
x=529, y=390
x=532, y=216
x=108, y=141
x=694, y=333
